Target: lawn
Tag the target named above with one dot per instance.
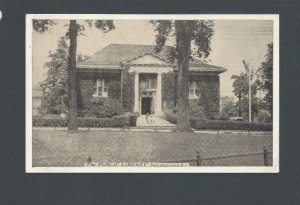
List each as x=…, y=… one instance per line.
x=61, y=148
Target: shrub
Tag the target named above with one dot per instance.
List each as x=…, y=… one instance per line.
x=222, y=116
x=116, y=121
x=49, y=121
x=222, y=125
x=196, y=110
x=264, y=116
x=104, y=108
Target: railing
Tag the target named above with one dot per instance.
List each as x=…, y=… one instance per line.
x=200, y=161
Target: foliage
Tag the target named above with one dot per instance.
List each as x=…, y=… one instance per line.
x=104, y=25
x=116, y=121
x=199, y=123
x=42, y=25
x=201, y=34
x=208, y=104
x=228, y=110
x=241, y=90
x=114, y=89
x=81, y=57
x=55, y=93
x=264, y=116
x=244, y=105
x=104, y=108
x=49, y=121
x=127, y=90
x=168, y=89
x=187, y=32
x=74, y=29
x=209, y=95
x=196, y=110
x=265, y=81
x=241, y=87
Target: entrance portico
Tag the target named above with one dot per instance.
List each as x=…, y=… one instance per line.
x=148, y=83
x=147, y=93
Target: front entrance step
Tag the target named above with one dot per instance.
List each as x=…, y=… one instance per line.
x=152, y=121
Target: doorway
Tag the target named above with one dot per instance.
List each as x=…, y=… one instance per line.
x=146, y=105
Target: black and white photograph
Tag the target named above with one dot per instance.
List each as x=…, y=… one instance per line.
x=152, y=93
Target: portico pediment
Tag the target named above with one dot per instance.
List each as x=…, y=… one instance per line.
x=148, y=59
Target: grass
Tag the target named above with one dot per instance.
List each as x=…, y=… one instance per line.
x=61, y=148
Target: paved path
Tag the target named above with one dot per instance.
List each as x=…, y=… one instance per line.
x=153, y=120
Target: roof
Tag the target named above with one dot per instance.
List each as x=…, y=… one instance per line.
x=114, y=54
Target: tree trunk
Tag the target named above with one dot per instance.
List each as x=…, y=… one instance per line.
x=183, y=44
x=72, y=92
x=240, y=109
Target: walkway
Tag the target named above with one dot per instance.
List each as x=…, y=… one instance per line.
x=153, y=121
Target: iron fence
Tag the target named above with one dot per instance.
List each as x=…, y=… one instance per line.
x=263, y=158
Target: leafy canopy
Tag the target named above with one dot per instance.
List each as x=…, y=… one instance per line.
x=241, y=87
x=55, y=93
x=265, y=74
x=201, y=35
x=42, y=26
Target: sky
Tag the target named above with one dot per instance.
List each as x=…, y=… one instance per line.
x=233, y=41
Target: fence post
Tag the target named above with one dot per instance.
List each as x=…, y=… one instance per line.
x=265, y=152
x=198, y=159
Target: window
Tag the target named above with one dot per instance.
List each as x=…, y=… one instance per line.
x=148, y=81
x=194, y=91
x=100, y=89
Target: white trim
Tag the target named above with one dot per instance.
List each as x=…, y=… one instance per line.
x=274, y=17
x=159, y=57
x=99, y=66
x=147, y=69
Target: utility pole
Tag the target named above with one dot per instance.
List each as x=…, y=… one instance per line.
x=249, y=84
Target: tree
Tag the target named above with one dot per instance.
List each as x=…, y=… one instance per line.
x=228, y=110
x=244, y=106
x=55, y=92
x=265, y=74
x=192, y=39
x=240, y=88
x=73, y=31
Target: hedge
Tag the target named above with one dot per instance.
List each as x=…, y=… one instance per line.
x=116, y=121
x=222, y=125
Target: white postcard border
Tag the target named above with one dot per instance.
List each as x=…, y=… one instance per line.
x=225, y=169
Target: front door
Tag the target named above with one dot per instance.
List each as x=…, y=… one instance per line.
x=146, y=105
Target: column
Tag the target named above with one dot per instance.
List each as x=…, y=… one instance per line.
x=158, y=106
x=136, y=92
